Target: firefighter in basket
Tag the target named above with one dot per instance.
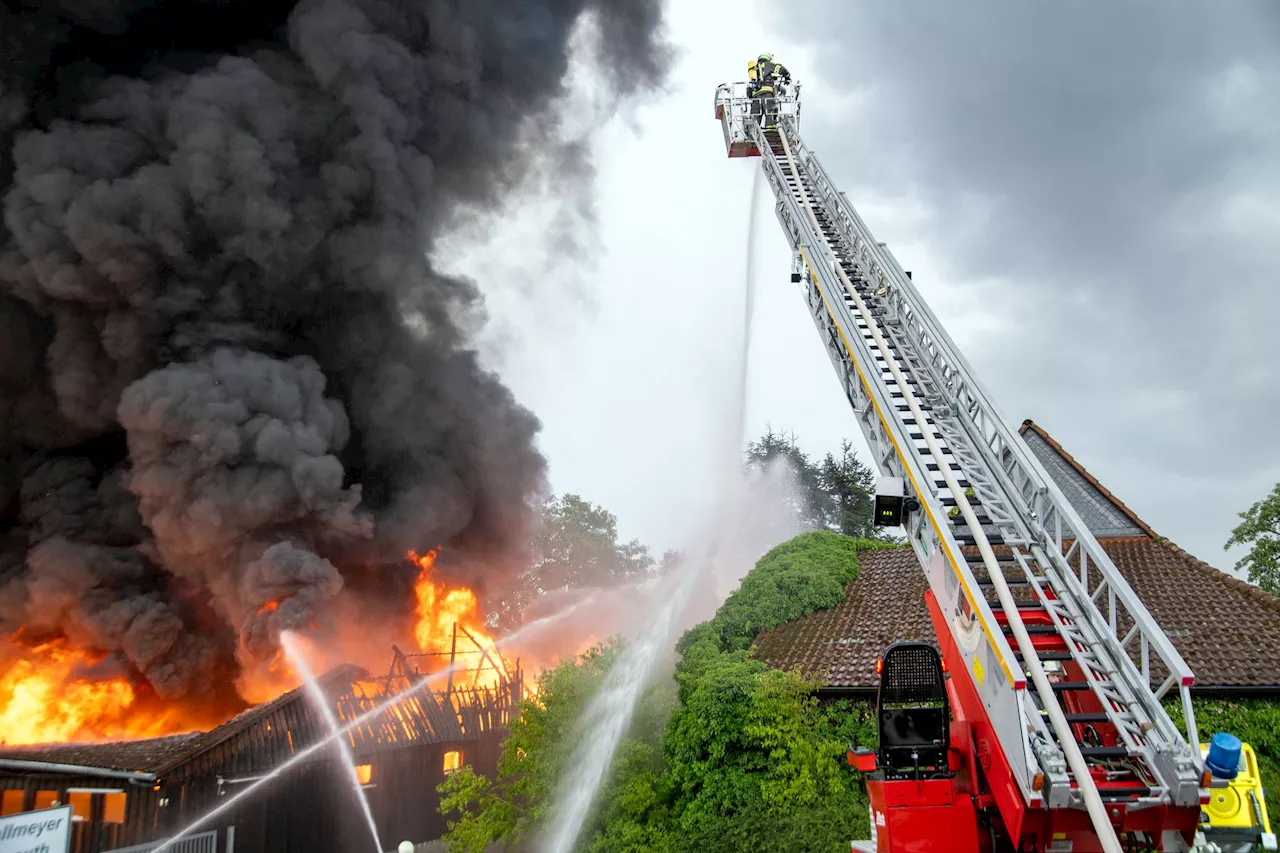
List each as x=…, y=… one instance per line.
x=765, y=79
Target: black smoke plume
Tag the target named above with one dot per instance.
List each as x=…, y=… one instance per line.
x=232, y=386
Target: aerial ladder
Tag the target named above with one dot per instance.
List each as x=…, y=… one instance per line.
x=1039, y=722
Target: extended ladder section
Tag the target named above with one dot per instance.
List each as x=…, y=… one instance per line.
x=1028, y=592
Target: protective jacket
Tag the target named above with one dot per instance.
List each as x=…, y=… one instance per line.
x=771, y=73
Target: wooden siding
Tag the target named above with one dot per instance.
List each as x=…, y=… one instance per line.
x=310, y=808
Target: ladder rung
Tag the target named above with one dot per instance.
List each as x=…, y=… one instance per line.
x=976, y=560
x=1091, y=717
x=1008, y=581
x=1034, y=629
x=1046, y=655
x=1068, y=686
x=966, y=539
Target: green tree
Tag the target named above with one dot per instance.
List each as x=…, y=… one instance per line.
x=836, y=493
x=753, y=761
x=811, y=503
x=852, y=487
x=1260, y=529
x=755, y=764
x=576, y=545
x=535, y=757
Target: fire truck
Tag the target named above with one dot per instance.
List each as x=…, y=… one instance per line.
x=1040, y=720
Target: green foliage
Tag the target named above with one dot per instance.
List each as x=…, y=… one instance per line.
x=756, y=764
x=834, y=493
x=811, y=502
x=800, y=576
x=748, y=760
x=852, y=486
x=536, y=754
x=1254, y=721
x=576, y=545
x=1260, y=528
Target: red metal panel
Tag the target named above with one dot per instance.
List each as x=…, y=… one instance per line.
x=927, y=816
x=966, y=705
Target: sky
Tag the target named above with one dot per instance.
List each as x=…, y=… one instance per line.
x=1088, y=198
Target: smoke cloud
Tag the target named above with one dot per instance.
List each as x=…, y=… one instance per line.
x=233, y=389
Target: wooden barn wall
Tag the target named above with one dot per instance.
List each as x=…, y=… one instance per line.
x=313, y=809
x=95, y=835
x=310, y=808
x=402, y=791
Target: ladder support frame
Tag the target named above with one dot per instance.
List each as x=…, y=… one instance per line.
x=969, y=443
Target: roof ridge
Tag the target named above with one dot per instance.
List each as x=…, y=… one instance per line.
x=1083, y=472
x=250, y=716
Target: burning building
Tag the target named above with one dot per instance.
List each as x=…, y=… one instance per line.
x=127, y=795
x=234, y=390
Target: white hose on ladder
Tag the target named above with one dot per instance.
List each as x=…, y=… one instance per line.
x=1070, y=749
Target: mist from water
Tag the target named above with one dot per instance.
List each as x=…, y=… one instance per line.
x=609, y=713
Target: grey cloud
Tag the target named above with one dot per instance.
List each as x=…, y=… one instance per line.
x=1116, y=166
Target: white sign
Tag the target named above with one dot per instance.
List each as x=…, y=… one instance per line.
x=45, y=831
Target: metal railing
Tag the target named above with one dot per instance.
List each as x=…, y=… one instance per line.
x=204, y=842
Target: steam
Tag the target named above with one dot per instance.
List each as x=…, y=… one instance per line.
x=233, y=388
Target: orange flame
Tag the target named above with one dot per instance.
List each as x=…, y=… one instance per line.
x=440, y=608
x=44, y=700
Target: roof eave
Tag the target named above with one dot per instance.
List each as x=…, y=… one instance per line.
x=74, y=770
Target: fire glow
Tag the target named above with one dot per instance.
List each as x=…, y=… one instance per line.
x=44, y=697
x=53, y=692
x=441, y=611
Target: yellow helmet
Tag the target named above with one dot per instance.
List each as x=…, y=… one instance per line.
x=766, y=57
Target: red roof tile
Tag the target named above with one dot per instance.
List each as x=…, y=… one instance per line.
x=1227, y=631
x=139, y=756
x=840, y=646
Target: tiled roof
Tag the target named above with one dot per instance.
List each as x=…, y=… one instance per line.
x=141, y=756
x=331, y=683
x=1103, y=512
x=1227, y=631
x=885, y=603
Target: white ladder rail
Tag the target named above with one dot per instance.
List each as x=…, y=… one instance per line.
x=1066, y=739
x=1046, y=516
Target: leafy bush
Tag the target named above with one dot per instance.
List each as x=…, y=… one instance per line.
x=800, y=576
x=1254, y=721
x=535, y=756
x=754, y=761
x=748, y=760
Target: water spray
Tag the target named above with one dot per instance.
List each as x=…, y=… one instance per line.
x=611, y=709
x=167, y=844
x=291, y=650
